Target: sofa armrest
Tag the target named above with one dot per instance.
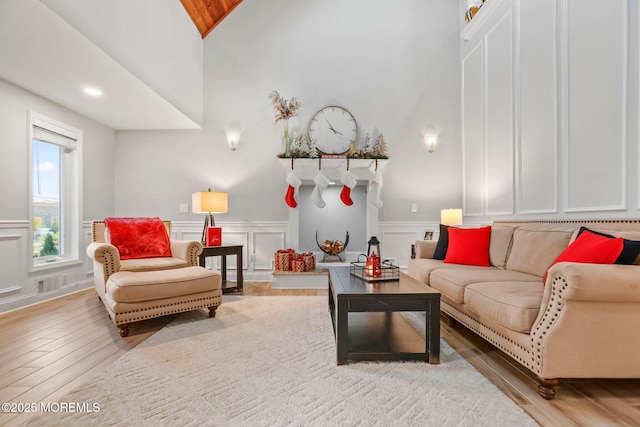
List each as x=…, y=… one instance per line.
x=105, y=255
x=187, y=250
x=596, y=282
x=425, y=248
x=588, y=309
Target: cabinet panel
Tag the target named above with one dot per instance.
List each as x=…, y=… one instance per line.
x=472, y=131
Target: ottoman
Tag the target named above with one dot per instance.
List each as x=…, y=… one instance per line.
x=131, y=296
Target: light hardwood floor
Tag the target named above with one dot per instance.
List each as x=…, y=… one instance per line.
x=48, y=349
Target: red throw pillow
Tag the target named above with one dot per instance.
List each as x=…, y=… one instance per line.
x=590, y=248
x=469, y=246
x=139, y=237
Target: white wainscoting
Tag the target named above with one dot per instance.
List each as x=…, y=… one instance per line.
x=19, y=287
x=261, y=240
x=473, y=132
x=13, y=262
x=499, y=120
x=396, y=238
x=549, y=97
x=596, y=93
x=538, y=100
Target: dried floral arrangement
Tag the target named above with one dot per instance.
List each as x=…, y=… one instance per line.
x=284, y=108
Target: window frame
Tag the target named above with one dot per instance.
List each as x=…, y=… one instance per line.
x=70, y=220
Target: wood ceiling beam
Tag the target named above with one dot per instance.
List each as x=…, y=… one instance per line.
x=207, y=14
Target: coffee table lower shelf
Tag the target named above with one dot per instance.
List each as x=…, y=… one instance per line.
x=383, y=336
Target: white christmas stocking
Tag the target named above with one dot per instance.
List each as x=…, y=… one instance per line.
x=373, y=190
x=321, y=183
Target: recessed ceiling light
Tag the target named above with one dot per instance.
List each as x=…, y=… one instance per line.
x=92, y=91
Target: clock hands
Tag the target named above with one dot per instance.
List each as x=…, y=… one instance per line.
x=332, y=129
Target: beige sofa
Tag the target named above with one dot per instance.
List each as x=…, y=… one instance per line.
x=585, y=323
x=139, y=289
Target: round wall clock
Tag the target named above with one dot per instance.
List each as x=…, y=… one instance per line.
x=334, y=129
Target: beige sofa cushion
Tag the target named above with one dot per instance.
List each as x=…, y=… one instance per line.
x=534, y=249
x=151, y=264
x=130, y=287
x=500, y=244
x=452, y=283
x=421, y=268
x=514, y=305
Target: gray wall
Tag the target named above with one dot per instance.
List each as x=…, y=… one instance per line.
x=18, y=286
x=395, y=68
x=98, y=154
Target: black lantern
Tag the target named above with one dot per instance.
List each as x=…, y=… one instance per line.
x=373, y=245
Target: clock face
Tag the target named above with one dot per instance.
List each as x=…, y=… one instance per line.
x=334, y=129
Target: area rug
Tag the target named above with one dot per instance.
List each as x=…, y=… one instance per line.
x=271, y=361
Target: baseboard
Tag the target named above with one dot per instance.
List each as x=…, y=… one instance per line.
x=24, y=301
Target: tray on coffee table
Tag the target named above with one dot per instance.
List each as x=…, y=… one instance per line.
x=388, y=271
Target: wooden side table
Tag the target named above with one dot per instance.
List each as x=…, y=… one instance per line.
x=223, y=251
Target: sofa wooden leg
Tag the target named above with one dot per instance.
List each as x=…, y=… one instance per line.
x=124, y=329
x=212, y=311
x=449, y=320
x=547, y=388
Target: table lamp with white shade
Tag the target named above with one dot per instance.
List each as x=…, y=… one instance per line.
x=451, y=217
x=209, y=202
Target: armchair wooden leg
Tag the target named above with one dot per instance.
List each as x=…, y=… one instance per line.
x=212, y=311
x=124, y=329
x=547, y=388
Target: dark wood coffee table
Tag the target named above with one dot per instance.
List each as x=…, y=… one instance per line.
x=366, y=322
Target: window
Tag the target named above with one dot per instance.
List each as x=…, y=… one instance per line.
x=55, y=192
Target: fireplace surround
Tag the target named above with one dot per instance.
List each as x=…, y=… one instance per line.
x=333, y=168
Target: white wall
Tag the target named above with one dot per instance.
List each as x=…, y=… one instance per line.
x=550, y=110
x=98, y=194
x=155, y=41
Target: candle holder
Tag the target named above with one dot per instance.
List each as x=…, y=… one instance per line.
x=385, y=270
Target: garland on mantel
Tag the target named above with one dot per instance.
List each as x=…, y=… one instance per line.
x=304, y=148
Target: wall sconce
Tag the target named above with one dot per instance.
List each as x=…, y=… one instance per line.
x=451, y=217
x=233, y=139
x=431, y=140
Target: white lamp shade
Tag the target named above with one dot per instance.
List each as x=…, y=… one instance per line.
x=451, y=216
x=209, y=201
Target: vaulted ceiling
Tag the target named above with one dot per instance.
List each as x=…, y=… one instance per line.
x=206, y=14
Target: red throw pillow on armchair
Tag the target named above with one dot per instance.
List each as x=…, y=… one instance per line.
x=590, y=248
x=139, y=237
x=469, y=246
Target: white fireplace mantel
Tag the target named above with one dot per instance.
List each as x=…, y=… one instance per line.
x=333, y=169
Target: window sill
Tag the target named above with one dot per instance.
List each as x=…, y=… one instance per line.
x=55, y=265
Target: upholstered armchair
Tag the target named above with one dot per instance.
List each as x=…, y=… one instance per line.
x=140, y=287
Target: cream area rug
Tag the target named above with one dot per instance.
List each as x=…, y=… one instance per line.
x=271, y=361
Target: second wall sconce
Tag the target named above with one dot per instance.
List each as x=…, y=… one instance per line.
x=431, y=138
x=233, y=139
